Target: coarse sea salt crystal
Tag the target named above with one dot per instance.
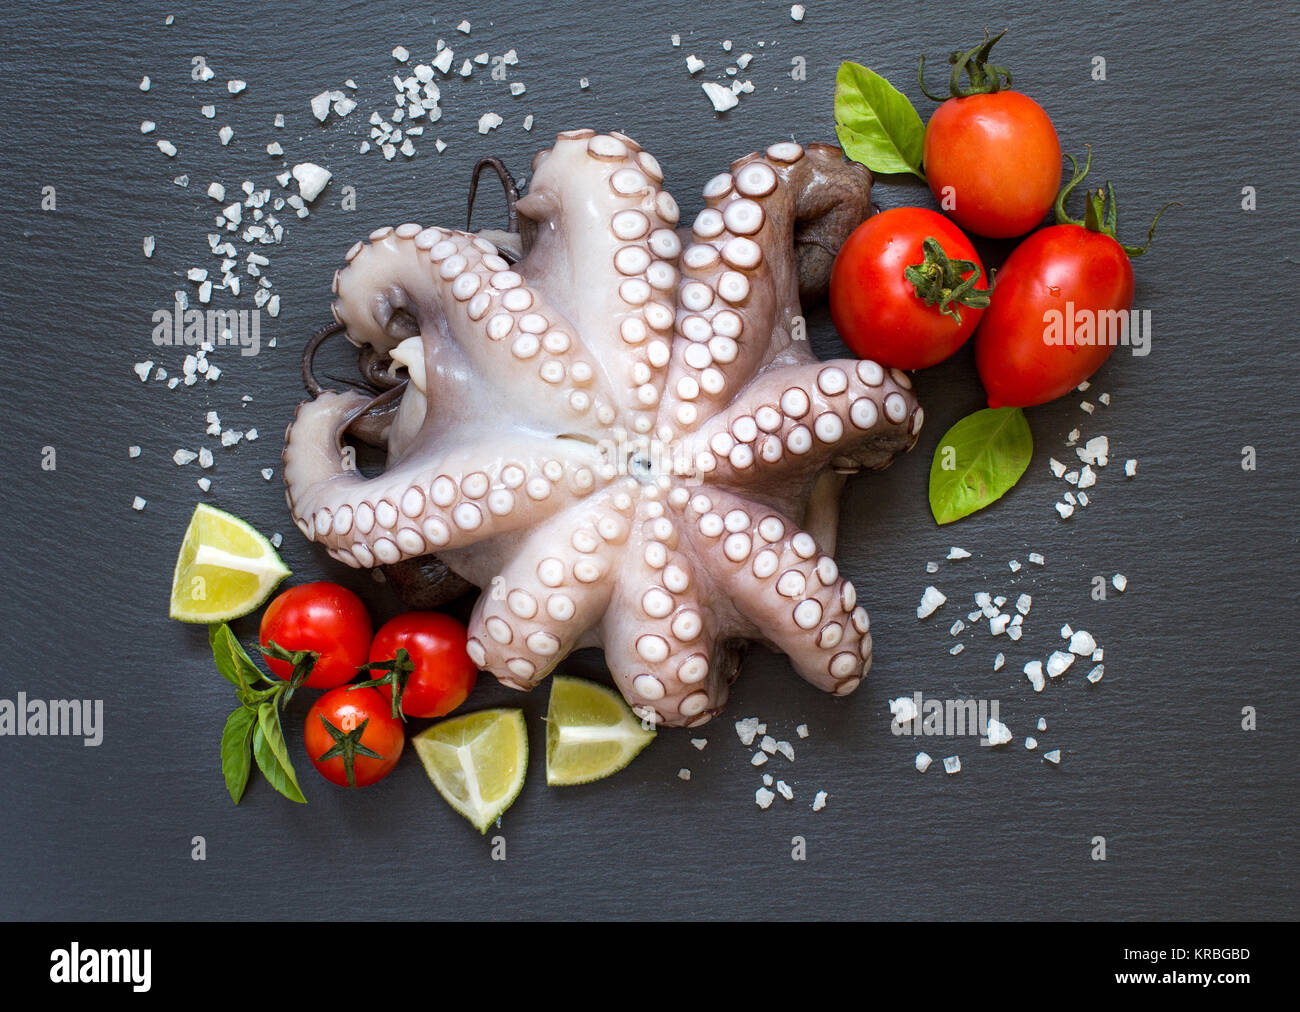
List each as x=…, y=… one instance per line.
x=747, y=730
x=1066, y=631
x=148, y=126
x=268, y=473
x=1023, y=603
x=142, y=369
x=930, y=602
x=958, y=553
x=1053, y=757
x=786, y=749
x=217, y=192
x=819, y=802
x=763, y=797
x=699, y=743
x=784, y=790
x=722, y=98
x=1058, y=469
x=758, y=759
x=797, y=12
x=952, y=765
x=401, y=54
x=145, y=83
x=767, y=779
x=1094, y=451
x=1130, y=468
x=1087, y=406
x=1059, y=663
x=133, y=451
x=1065, y=509
x=183, y=457
x=1104, y=399
x=1036, y=558
x=205, y=457
x=235, y=87
x=694, y=64
x=1014, y=565
x=958, y=648
x=148, y=245
x=1042, y=723
x=276, y=540
x=1120, y=582
x=489, y=121
x=903, y=708
x=1031, y=743
x=802, y=730
x=998, y=624
x=225, y=134
x=923, y=761
x=209, y=111
x=311, y=179
x=1082, y=643
x=932, y=567
x=768, y=744
x=463, y=27
x=1094, y=676
x=138, y=503
x=956, y=627
x=997, y=733
x=1087, y=477
x=998, y=661
x=683, y=774
x=1034, y=672
x=167, y=148
x=205, y=484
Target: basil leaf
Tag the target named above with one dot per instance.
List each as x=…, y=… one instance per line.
x=235, y=758
x=977, y=461
x=232, y=661
x=271, y=754
x=876, y=123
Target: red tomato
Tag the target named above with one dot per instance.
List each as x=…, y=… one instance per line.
x=1064, y=269
x=352, y=738
x=326, y=619
x=993, y=162
x=876, y=308
x=442, y=673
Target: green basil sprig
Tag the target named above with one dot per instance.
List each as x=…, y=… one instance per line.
x=256, y=721
x=876, y=123
x=978, y=461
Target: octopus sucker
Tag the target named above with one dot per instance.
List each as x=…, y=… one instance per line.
x=605, y=418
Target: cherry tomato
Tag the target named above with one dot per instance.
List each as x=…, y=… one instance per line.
x=352, y=738
x=442, y=673
x=878, y=310
x=1057, y=270
x=326, y=619
x=993, y=162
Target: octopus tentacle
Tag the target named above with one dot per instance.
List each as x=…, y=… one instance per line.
x=790, y=590
x=437, y=283
x=660, y=633
x=558, y=585
x=621, y=257
x=418, y=506
x=793, y=420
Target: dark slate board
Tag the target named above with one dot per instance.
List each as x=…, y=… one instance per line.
x=1199, y=815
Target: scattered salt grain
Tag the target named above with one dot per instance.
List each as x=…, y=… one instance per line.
x=167, y=148
x=758, y=759
x=930, y=602
x=1087, y=406
x=699, y=743
x=722, y=98
x=138, y=504
x=1065, y=509
x=998, y=624
x=747, y=729
x=205, y=484
x=923, y=761
x=1034, y=672
x=235, y=87
x=145, y=83
x=182, y=457
x=1058, y=469
x=133, y=451
x=1059, y=663
x=819, y=802
x=1082, y=643
x=767, y=779
x=463, y=27
x=205, y=457
x=276, y=540
x=148, y=245
x=1053, y=757
x=958, y=553
x=225, y=134
x=209, y=111
x=1094, y=676
x=268, y=473
x=958, y=648
x=1031, y=743
x=683, y=774
x=797, y=12
x=903, y=708
x=952, y=765
x=148, y=126
x=1014, y=565
x=311, y=180
x=997, y=733
x=1130, y=468
x=694, y=64
x=1036, y=558
x=785, y=790
x=768, y=744
x=1042, y=723
x=141, y=369
x=1094, y=451
x=998, y=661
x=489, y=121
x=401, y=54
x=763, y=797
x=1023, y=603
x=1120, y=582
x=786, y=749
x=932, y=567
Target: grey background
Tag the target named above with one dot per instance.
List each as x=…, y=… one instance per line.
x=1199, y=816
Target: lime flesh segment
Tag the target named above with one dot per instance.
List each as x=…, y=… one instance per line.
x=590, y=732
x=225, y=569
x=477, y=762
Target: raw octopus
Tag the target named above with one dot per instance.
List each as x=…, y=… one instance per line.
x=615, y=428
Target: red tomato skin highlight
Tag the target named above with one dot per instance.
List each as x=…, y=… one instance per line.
x=1000, y=156
x=444, y=673
x=324, y=617
x=876, y=309
x=346, y=709
x=1064, y=268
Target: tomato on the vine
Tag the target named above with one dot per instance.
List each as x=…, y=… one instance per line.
x=322, y=625
x=352, y=738
x=991, y=155
x=424, y=652
x=1058, y=295
x=907, y=288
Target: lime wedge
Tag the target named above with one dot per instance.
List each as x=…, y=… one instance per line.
x=225, y=569
x=590, y=732
x=477, y=762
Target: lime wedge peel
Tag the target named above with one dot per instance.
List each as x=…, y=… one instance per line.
x=477, y=762
x=590, y=732
x=224, y=569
